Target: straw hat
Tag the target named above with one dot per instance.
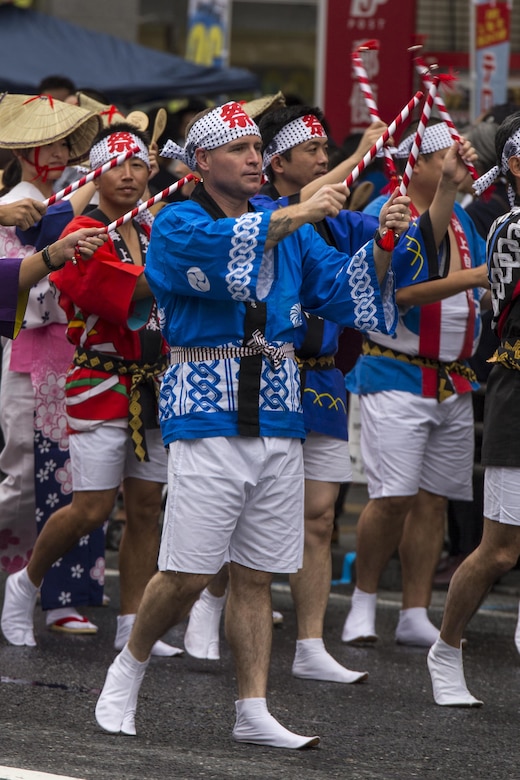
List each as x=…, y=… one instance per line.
x=7, y=99
x=260, y=106
x=110, y=114
x=27, y=121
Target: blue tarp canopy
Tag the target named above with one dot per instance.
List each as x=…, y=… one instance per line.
x=34, y=45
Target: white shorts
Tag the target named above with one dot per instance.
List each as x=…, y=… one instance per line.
x=234, y=499
x=501, y=491
x=326, y=459
x=102, y=458
x=410, y=442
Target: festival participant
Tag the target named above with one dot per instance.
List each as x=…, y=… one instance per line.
x=230, y=283
x=296, y=160
x=18, y=275
x=295, y=154
x=464, y=524
x=110, y=397
x=44, y=135
x=499, y=548
x=417, y=434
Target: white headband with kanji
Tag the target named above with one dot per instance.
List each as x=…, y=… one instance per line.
x=435, y=138
x=218, y=127
x=115, y=144
x=305, y=128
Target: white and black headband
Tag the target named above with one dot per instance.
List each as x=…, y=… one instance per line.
x=511, y=149
x=218, y=127
x=305, y=128
x=435, y=138
x=115, y=144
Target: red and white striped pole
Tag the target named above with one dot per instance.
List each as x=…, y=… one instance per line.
x=366, y=90
x=381, y=141
x=416, y=146
x=388, y=240
x=150, y=202
x=91, y=176
x=426, y=77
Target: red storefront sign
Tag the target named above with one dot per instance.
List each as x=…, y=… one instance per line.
x=390, y=68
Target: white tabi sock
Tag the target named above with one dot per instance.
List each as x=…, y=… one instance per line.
x=256, y=725
x=517, y=631
x=116, y=706
x=360, y=624
x=313, y=662
x=202, y=636
x=447, y=675
x=18, y=610
x=415, y=628
x=69, y=621
x=124, y=629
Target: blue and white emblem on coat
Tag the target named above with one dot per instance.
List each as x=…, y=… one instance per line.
x=198, y=279
x=295, y=315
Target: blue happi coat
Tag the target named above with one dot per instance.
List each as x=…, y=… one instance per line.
x=208, y=275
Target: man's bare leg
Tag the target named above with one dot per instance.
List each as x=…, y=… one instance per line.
x=65, y=527
x=419, y=552
x=138, y=556
x=310, y=588
x=166, y=601
x=249, y=627
x=496, y=554
x=140, y=540
x=379, y=531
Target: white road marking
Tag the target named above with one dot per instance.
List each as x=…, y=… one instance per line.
x=11, y=773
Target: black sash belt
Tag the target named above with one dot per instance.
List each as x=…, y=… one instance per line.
x=142, y=374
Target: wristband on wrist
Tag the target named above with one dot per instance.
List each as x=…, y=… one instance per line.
x=47, y=260
x=386, y=242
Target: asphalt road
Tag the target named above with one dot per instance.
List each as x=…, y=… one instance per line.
x=385, y=728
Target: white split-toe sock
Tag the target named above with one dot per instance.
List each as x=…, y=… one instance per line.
x=116, y=706
x=447, y=674
x=67, y=620
x=124, y=629
x=360, y=625
x=18, y=610
x=517, y=631
x=256, y=725
x=415, y=628
x=202, y=636
x=313, y=662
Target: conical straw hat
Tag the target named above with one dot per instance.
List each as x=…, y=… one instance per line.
x=110, y=115
x=27, y=121
x=7, y=98
x=256, y=108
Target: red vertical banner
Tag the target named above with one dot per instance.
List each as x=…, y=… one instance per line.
x=489, y=52
x=390, y=68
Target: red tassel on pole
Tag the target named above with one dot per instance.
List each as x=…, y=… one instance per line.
x=387, y=242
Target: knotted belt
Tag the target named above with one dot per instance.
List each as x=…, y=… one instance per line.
x=257, y=345
x=141, y=374
x=444, y=384
x=507, y=354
